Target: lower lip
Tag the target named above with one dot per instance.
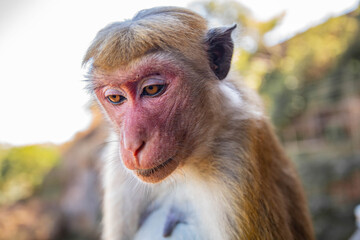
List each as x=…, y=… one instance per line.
x=158, y=173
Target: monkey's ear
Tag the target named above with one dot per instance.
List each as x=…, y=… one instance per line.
x=220, y=49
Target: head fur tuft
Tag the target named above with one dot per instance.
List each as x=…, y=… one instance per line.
x=162, y=28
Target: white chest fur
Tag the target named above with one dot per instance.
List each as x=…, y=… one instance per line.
x=126, y=199
x=199, y=210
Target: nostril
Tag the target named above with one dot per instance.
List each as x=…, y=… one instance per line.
x=139, y=149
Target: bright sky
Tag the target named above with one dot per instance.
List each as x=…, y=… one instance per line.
x=42, y=43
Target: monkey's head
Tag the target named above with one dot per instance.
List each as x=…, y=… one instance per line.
x=154, y=77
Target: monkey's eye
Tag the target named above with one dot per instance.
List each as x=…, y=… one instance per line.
x=153, y=90
x=114, y=96
x=116, y=99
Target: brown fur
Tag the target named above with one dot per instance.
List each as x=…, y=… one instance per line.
x=167, y=29
x=243, y=184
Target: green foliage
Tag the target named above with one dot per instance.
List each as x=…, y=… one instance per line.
x=22, y=170
x=284, y=73
x=303, y=61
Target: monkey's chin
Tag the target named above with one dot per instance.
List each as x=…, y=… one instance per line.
x=157, y=173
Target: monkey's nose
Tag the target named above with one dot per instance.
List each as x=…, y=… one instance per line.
x=130, y=153
x=133, y=145
x=135, y=153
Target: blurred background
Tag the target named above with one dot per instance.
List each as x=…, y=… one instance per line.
x=303, y=57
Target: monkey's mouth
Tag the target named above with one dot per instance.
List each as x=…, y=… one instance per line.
x=159, y=172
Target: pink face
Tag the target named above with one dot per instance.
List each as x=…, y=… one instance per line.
x=148, y=103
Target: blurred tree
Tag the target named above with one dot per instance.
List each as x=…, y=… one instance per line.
x=300, y=63
x=282, y=73
x=22, y=170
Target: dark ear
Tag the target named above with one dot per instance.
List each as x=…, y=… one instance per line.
x=220, y=50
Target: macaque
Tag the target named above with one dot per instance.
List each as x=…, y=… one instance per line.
x=192, y=154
